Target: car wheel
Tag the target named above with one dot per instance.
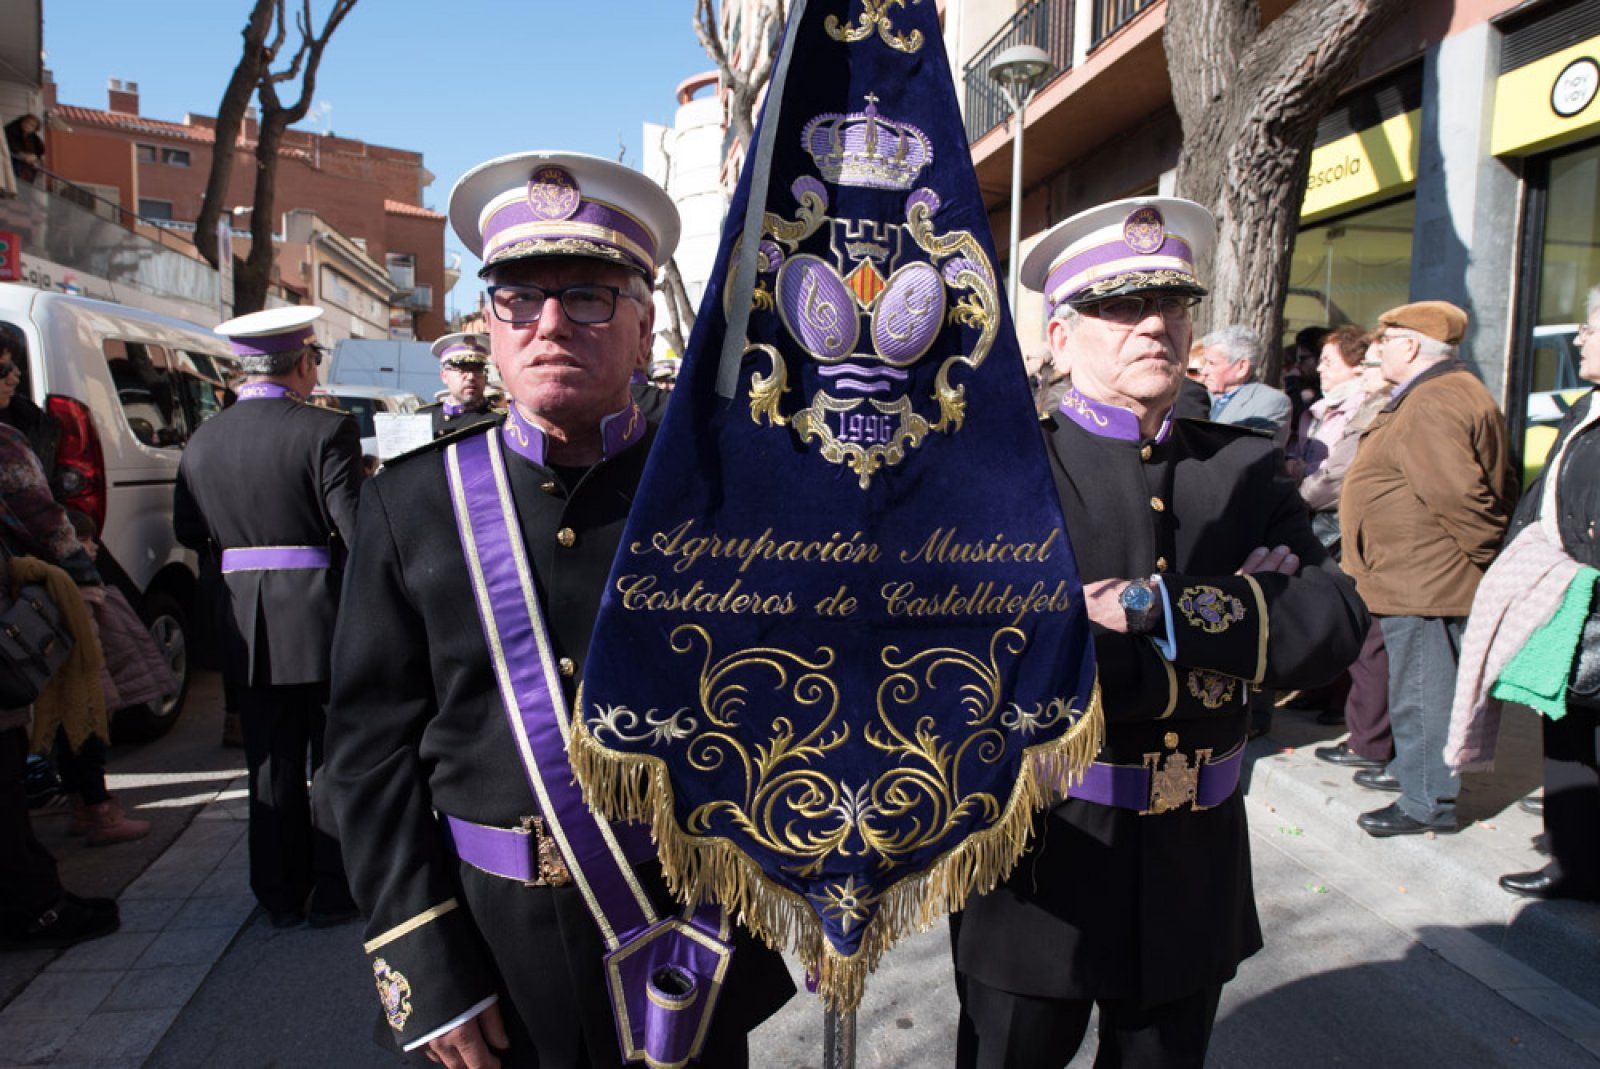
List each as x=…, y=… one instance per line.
x=168, y=624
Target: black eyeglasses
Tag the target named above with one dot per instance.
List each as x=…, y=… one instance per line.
x=8, y=370
x=587, y=303
x=467, y=369
x=1126, y=311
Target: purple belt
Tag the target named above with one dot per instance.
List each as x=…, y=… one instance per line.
x=275, y=558
x=528, y=853
x=664, y=974
x=1165, y=782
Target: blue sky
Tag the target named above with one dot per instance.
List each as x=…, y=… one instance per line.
x=461, y=81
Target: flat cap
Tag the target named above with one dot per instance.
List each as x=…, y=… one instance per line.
x=1439, y=320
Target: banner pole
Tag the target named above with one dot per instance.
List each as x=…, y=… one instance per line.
x=839, y=1039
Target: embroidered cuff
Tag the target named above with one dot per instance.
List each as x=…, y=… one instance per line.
x=431, y=970
x=1220, y=625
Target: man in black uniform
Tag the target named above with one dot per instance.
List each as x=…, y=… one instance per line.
x=464, y=370
x=482, y=937
x=271, y=484
x=1136, y=892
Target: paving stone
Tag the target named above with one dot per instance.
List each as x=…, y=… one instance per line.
x=116, y=951
x=193, y=946
x=157, y=988
x=168, y=883
x=35, y=1040
x=226, y=881
x=120, y=1035
x=70, y=995
x=214, y=911
x=147, y=914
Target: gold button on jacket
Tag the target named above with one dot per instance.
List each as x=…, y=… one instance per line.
x=567, y=537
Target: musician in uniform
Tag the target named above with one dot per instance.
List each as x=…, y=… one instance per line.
x=270, y=486
x=464, y=370
x=1135, y=892
x=480, y=934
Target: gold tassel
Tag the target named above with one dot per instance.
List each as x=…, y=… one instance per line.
x=637, y=787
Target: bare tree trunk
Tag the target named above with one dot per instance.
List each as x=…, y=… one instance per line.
x=1249, y=100
x=252, y=65
x=254, y=276
x=746, y=78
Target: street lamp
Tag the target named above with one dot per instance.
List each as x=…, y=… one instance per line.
x=1019, y=71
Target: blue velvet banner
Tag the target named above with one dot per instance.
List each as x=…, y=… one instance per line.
x=843, y=655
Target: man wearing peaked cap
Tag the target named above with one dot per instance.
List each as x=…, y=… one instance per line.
x=269, y=486
x=477, y=875
x=464, y=370
x=1136, y=891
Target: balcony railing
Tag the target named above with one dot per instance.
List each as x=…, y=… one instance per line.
x=76, y=229
x=1111, y=15
x=1046, y=24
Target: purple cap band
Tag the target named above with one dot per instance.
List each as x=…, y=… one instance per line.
x=460, y=349
x=1116, y=257
x=519, y=222
x=270, y=344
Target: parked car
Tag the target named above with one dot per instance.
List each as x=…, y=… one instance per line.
x=127, y=387
x=365, y=402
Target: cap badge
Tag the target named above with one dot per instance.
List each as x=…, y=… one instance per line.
x=1144, y=231
x=553, y=194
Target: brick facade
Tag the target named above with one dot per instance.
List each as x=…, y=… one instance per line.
x=346, y=182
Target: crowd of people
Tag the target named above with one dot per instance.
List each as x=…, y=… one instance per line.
x=1352, y=542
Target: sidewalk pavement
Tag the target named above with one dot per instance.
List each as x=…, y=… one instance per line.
x=109, y=1002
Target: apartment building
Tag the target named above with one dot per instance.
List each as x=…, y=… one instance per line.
x=371, y=195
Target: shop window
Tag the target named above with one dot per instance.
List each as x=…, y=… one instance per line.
x=1568, y=267
x=1351, y=269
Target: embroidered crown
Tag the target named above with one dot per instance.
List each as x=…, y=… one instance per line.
x=865, y=149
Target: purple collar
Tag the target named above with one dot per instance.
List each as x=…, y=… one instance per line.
x=258, y=391
x=1108, y=421
x=618, y=432
x=452, y=409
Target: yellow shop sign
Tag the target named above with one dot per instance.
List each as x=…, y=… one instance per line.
x=1549, y=102
x=1365, y=166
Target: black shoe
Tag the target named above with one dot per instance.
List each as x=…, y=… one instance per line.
x=66, y=924
x=1343, y=755
x=1534, y=804
x=285, y=918
x=1331, y=717
x=1545, y=883
x=1382, y=823
x=1376, y=779
x=332, y=918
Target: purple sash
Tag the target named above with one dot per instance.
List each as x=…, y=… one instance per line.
x=664, y=975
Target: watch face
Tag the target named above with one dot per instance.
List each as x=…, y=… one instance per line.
x=1136, y=597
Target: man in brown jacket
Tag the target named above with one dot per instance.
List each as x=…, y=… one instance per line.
x=1423, y=511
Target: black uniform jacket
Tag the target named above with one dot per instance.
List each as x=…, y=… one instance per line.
x=443, y=424
x=416, y=728
x=272, y=472
x=1578, y=494
x=1108, y=903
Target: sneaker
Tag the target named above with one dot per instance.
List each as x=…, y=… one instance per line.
x=106, y=824
x=68, y=923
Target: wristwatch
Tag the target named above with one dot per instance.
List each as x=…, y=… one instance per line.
x=1141, y=605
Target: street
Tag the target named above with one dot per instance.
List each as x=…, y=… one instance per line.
x=1359, y=968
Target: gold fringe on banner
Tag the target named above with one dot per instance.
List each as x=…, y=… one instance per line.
x=636, y=787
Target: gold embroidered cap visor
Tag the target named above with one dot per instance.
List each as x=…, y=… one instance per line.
x=541, y=204
x=1125, y=247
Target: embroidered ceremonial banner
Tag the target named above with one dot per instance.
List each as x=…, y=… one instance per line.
x=843, y=655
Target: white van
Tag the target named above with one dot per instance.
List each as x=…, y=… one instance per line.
x=127, y=388
x=364, y=403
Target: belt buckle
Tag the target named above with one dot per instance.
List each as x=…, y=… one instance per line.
x=1174, y=782
x=553, y=871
